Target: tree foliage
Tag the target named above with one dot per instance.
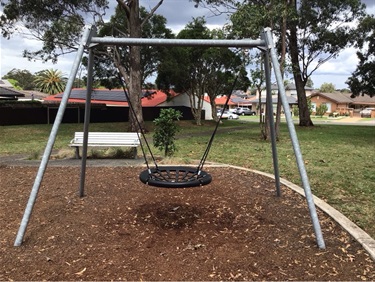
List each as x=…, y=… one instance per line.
x=24, y=78
x=58, y=24
x=327, y=87
x=104, y=69
x=317, y=31
x=362, y=81
x=165, y=131
x=50, y=81
x=321, y=109
x=197, y=71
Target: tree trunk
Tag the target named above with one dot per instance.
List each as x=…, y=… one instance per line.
x=135, y=78
x=304, y=114
x=282, y=62
x=262, y=116
x=213, y=108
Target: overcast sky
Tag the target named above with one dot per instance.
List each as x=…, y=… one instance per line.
x=178, y=13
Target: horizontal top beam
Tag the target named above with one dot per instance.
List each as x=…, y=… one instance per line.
x=245, y=43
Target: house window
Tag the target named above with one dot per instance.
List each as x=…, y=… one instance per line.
x=328, y=107
x=313, y=107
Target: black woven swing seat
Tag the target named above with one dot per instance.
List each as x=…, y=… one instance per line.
x=175, y=177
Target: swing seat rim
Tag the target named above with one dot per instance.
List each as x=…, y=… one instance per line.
x=146, y=177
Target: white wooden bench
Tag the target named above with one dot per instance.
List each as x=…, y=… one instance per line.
x=106, y=139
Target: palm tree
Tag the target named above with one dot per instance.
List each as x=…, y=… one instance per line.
x=50, y=81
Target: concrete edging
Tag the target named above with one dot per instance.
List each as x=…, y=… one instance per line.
x=367, y=242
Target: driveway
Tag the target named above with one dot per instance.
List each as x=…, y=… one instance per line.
x=353, y=121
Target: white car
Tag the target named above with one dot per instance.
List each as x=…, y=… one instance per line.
x=366, y=112
x=228, y=115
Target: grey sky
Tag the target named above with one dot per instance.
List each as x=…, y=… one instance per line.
x=178, y=13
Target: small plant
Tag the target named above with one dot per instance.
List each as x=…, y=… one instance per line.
x=165, y=131
x=119, y=153
x=34, y=155
x=310, y=105
x=95, y=154
x=321, y=110
x=295, y=111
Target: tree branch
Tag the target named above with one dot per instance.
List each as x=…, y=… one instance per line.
x=153, y=10
x=125, y=6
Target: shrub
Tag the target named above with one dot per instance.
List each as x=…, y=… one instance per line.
x=165, y=131
x=321, y=110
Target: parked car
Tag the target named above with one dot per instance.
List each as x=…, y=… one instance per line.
x=227, y=115
x=366, y=112
x=245, y=111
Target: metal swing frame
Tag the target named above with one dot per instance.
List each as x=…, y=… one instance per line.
x=90, y=41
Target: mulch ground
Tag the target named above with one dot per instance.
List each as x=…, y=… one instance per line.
x=235, y=228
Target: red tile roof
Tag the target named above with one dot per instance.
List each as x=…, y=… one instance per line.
x=156, y=98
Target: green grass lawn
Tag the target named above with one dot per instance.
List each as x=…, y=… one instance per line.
x=340, y=160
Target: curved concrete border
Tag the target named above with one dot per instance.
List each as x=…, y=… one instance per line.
x=359, y=234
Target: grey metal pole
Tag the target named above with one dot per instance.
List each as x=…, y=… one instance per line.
x=178, y=42
x=272, y=123
x=293, y=136
x=86, y=123
x=51, y=139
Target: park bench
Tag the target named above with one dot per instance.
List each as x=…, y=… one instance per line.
x=106, y=139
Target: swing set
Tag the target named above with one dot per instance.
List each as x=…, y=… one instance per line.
x=174, y=176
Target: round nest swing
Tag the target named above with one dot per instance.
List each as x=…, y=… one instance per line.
x=175, y=177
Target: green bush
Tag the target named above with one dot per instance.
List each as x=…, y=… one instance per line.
x=165, y=131
x=321, y=110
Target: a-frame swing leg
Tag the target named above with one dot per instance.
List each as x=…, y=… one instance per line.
x=271, y=122
x=267, y=36
x=51, y=140
x=86, y=124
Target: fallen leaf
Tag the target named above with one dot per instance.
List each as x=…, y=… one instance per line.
x=81, y=272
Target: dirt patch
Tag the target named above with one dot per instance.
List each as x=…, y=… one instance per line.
x=232, y=229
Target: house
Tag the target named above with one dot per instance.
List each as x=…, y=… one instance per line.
x=117, y=98
x=8, y=94
x=290, y=90
x=237, y=99
x=290, y=93
x=7, y=91
x=341, y=103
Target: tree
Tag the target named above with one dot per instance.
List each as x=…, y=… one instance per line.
x=362, y=81
x=257, y=78
x=222, y=72
x=198, y=71
x=24, y=78
x=165, y=131
x=133, y=75
x=321, y=110
x=104, y=69
x=58, y=24
x=182, y=68
x=327, y=87
x=317, y=31
x=310, y=82
x=50, y=81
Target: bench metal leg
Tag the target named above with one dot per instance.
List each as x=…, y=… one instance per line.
x=133, y=152
x=77, y=153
